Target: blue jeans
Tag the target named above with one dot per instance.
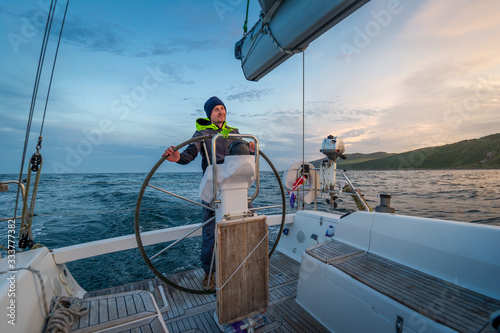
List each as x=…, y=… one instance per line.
x=208, y=239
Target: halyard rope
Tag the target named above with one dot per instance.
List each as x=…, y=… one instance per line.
x=63, y=309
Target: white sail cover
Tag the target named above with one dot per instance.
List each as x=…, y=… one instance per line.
x=267, y=5
x=236, y=172
x=285, y=28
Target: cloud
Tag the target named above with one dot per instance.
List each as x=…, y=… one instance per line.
x=333, y=111
x=438, y=104
x=175, y=73
x=198, y=113
x=179, y=44
x=159, y=49
x=471, y=12
x=97, y=36
x=277, y=114
x=437, y=79
x=254, y=115
x=103, y=36
x=354, y=133
x=10, y=95
x=250, y=95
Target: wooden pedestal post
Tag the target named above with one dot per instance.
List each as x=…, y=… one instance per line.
x=247, y=291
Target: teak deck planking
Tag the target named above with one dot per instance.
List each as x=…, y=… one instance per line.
x=195, y=313
x=441, y=301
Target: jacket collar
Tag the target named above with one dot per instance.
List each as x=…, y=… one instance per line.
x=205, y=123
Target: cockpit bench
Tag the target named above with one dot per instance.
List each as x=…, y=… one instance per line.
x=333, y=251
x=121, y=312
x=459, y=308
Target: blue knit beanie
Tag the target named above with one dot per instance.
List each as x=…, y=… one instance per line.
x=211, y=103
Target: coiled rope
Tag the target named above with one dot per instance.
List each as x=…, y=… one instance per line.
x=63, y=310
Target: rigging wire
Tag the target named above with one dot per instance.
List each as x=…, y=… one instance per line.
x=303, y=115
x=36, y=160
x=303, y=105
x=33, y=98
x=53, y=67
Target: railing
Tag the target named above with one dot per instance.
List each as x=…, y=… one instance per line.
x=23, y=190
x=121, y=243
x=355, y=191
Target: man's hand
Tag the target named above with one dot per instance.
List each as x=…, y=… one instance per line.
x=171, y=155
x=251, y=146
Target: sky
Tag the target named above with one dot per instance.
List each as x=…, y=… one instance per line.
x=131, y=78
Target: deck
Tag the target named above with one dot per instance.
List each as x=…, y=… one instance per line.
x=195, y=313
x=458, y=308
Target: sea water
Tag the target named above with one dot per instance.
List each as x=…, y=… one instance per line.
x=78, y=208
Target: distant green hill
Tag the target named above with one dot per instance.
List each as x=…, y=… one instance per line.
x=355, y=158
x=482, y=153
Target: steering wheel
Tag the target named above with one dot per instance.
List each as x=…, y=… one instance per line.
x=137, y=228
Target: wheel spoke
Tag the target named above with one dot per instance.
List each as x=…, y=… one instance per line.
x=181, y=197
x=185, y=236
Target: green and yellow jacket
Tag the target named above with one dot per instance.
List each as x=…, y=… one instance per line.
x=203, y=127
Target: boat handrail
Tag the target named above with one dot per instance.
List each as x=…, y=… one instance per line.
x=15, y=182
x=121, y=243
x=23, y=191
x=355, y=191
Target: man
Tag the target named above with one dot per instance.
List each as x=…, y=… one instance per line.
x=213, y=124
